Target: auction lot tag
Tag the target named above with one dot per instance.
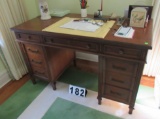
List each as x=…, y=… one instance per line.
x=79, y=91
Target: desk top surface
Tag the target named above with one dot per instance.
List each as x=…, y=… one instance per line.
x=142, y=36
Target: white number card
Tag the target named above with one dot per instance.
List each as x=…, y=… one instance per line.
x=77, y=91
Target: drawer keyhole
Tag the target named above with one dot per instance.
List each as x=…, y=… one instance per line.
x=29, y=37
x=19, y=35
x=88, y=46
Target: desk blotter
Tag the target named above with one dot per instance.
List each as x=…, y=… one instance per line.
x=99, y=33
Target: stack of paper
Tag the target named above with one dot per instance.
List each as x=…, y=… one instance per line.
x=81, y=25
x=125, y=32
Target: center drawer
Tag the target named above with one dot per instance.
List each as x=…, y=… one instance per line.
x=72, y=43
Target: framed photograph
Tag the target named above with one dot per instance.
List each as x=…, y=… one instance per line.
x=138, y=17
x=148, y=8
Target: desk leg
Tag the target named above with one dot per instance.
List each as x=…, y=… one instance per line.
x=33, y=80
x=53, y=85
x=99, y=99
x=130, y=109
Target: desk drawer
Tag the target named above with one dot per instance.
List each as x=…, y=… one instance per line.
x=121, y=66
x=117, y=94
x=34, y=50
x=122, y=52
x=89, y=46
x=28, y=37
x=40, y=72
x=72, y=43
x=119, y=80
x=35, y=55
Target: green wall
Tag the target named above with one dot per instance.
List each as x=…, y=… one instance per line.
x=109, y=6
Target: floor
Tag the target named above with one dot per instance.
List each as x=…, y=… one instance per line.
x=117, y=108
x=107, y=106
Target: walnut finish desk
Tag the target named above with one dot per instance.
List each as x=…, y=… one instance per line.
x=121, y=60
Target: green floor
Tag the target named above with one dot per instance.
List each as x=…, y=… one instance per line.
x=80, y=78
x=20, y=100
x=64, y=109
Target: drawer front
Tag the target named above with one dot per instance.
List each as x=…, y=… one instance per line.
x=119, y=80
x=122, y=52
x=28, y=37
x=81, y=45
x=117, y=94
x=85, y=46
x=121, y=66
x=40, y=72
x=34, y=50
x=35, y=55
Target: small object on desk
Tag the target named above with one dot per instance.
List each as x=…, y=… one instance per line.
x=59, y=13
x=125, y=32
x=120, y=20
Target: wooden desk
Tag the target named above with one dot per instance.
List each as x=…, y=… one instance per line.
x=121, y=61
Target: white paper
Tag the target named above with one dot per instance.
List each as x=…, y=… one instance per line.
x=81, y=25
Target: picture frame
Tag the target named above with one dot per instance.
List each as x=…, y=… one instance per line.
x=138, y=17
x=148, y=8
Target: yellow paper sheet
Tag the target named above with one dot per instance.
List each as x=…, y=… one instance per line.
x=99, y=33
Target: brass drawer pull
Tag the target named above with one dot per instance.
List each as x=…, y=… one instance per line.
x=115, y=93
x=33, y=51
x=37, y=62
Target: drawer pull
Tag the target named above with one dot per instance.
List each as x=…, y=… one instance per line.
x=88, y=46
x=39, y=72
x=117, y=80
x=115, y=93
x=37, y=62
x=33, y=51
x=119, y=68
x=121, y=52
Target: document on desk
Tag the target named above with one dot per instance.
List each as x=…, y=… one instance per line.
x=125, y=32
x=81, y=25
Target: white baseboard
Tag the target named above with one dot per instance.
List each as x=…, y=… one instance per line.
x=4, y=78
